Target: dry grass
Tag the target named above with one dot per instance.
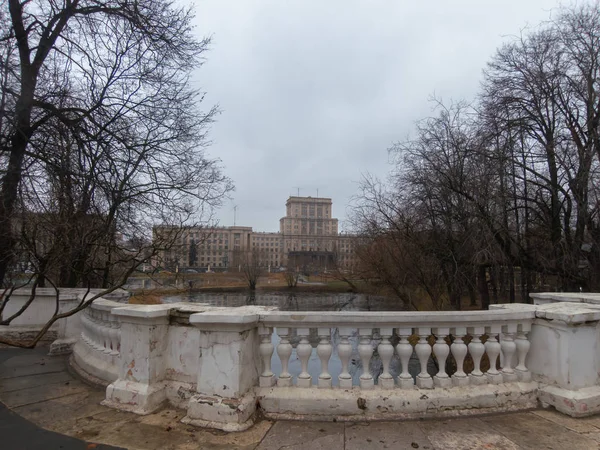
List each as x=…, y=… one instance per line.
x=145, y=299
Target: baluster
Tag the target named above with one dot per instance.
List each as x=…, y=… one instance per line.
x=99, y=337
x=303, y=350
x=386, y=352
x=423, y=350
x=492, y=348
x=405, y=350
x=109, y=332
x=523, y=345
x=476, y=349
x=266, y=348
x=365, y=351
x=106, y=332
x=459, y=351
x=324, y=351
x=95, y=331
x=441, y=352
x=98, y=326
x=114, y=336
x=284, y=351
x=508, y=352
x=85, y=324
x=89, y=331
x=344, y=352
x=118, y=337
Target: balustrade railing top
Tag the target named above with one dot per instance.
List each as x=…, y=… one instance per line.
x=394, y=318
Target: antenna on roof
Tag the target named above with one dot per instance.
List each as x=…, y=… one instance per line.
x=298, y=191
x=234, y=214
x=317, y=192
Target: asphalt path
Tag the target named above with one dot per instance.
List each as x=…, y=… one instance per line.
x=17, y=433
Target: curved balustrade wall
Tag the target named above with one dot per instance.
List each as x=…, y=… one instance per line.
x=64, y=332
x=221, y=363
x=96, y=353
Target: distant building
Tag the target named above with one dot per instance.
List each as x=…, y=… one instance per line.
x=308, y=237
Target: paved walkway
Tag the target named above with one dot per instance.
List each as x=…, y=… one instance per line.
x=48, y=408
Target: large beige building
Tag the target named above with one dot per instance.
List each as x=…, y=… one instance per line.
x=308, y=225
x=308, y=236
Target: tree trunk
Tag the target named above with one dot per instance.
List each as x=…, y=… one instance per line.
x=484, y=292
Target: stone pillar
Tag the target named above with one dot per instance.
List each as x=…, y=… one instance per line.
x=69, y=328
x=564, y=353
x=140, y=387
x=565, y=356
x=229, y=368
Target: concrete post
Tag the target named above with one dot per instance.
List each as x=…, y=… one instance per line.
x=229, y=368
x=564, y=353
x=565, y=357
x=140, y=387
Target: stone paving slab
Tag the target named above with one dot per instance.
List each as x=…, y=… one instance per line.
x=595, y=437
x=162, y=430
x=295, y=435
x=63, y=412
x=50, y=397
x=465, y=434
x=579, y=425
x=385, y=435
x=26, y=382
x=31, y=362
x=530, y=431
x=37, y=394
x=18, y=433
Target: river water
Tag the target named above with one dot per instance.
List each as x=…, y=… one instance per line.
x=309, y=301
x=296, y=301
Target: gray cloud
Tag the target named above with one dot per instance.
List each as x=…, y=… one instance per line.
x=313, y=92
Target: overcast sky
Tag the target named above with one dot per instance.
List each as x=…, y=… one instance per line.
x=314, y=92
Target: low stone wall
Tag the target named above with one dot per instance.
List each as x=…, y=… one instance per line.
x=65, y=332
x=216, y=363
x=222, y=364
x=544, y=298
x=357, y=405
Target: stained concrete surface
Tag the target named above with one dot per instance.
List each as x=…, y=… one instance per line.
x=304, y=435
x=48, y=408
x=17, y=432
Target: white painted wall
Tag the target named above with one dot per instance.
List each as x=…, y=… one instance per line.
x=183, y=344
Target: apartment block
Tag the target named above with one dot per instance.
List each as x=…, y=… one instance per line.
x=308, y=236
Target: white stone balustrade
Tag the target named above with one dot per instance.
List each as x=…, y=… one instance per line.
x=429, y=332
x=220, y=363
x=100, y=329
x=98, y=349
x=65, y=332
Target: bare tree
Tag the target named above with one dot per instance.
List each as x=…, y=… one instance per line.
x=101, y=136
x=252, y=266
x=291, y=277
x=502, y=192
x=340, y=269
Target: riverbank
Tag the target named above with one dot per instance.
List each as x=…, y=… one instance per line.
x=147, y=289
x=234, y=283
